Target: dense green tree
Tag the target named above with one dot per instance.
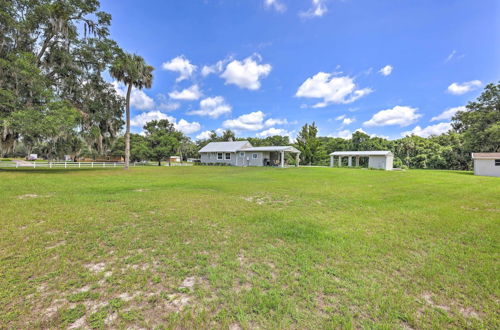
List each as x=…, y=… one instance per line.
x=133, y=71
x=308, y=144
x=275, y=140
x=163, y=139
x=480, y=122
x=139, y=148
x=55, y=51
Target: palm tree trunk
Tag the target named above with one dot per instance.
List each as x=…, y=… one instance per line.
x=127, y=129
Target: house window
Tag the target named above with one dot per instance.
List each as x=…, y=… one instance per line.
x=219, y=155
x=497, y=162
x=228, y=156
x=242, y=154
x=254, y=156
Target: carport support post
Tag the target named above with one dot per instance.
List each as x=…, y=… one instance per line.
x=331, y=161
x=282, y=159
x=297, y=159
x=357, y=161
x=349, y=161
x=340, y=161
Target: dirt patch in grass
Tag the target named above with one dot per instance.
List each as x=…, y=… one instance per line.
x=127, y=296
x=267, y=200
x=58, y=244
x=80, y=323
x=469, y=312
x=97, y=267
x=28, y=196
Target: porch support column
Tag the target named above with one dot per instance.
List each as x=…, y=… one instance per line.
x=340, y=161
x=357, y=161
x=331, y=161
x=349, y=161
x=282, y=159
x=297, y=159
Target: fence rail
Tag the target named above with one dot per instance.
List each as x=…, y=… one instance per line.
x=39, y=164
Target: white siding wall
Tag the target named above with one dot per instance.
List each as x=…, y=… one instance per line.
x=376, y=162
x=211, y=157
x=486, y=167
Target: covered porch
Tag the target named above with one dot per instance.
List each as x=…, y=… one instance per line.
x=376, y=159
x=274, y=155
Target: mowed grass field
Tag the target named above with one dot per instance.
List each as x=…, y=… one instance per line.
x=226, y=247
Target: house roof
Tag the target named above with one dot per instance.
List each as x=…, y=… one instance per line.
x=224, y=146
x=272, y=148
x=361, y=153
x=486, y=155
x=243, y=146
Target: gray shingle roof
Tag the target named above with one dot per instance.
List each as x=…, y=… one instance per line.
x=361, y=153
x=273, y=148
x=225, y=146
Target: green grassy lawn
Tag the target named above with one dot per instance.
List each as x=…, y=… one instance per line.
x=226, y=247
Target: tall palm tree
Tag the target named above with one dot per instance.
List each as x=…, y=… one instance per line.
x=132, y=70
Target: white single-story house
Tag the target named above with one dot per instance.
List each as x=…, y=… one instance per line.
x=242, y=153
x=376, y=159
x=486, y=163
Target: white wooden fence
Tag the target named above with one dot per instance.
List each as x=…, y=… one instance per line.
x=39, y=164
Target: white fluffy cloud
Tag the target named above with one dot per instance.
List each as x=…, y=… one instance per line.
x=181, y=65
x=399, y=115
x=331, y=89
x=345, y=120
x=189, y=94
x=252, y=121
x=141, y=119
x=276, y=121
x=386, y=70
x=215, y=68
x=275, y=4
x=429, y=130
x=212, y=107
x=246, y=73
x=465, y=87
x=447, y=114
x=318, y=9
x=182, y=125
x=273, y=131
x=138, y=99
x=203, y=135
x=187, y=127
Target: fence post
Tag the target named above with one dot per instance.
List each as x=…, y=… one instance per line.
x=114, y=164
x=65, y=165
x=92, y=164
x=50, y=164
x=17, y=164
x=34, y=164
x=79, y=164
x=103, y=164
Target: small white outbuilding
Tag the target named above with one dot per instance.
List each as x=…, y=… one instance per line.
x=486, y=164
x=376, y=159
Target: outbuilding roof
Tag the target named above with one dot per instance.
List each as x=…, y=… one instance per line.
x=361, y=153
x=273, y=148
x=486, y=155
x=224, y=146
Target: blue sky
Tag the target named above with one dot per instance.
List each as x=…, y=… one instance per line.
x=265, y=67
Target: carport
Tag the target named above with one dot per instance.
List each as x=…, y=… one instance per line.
x=376, y=159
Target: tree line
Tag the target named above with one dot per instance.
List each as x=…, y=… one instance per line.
x=476, y=129
x=54, y=100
